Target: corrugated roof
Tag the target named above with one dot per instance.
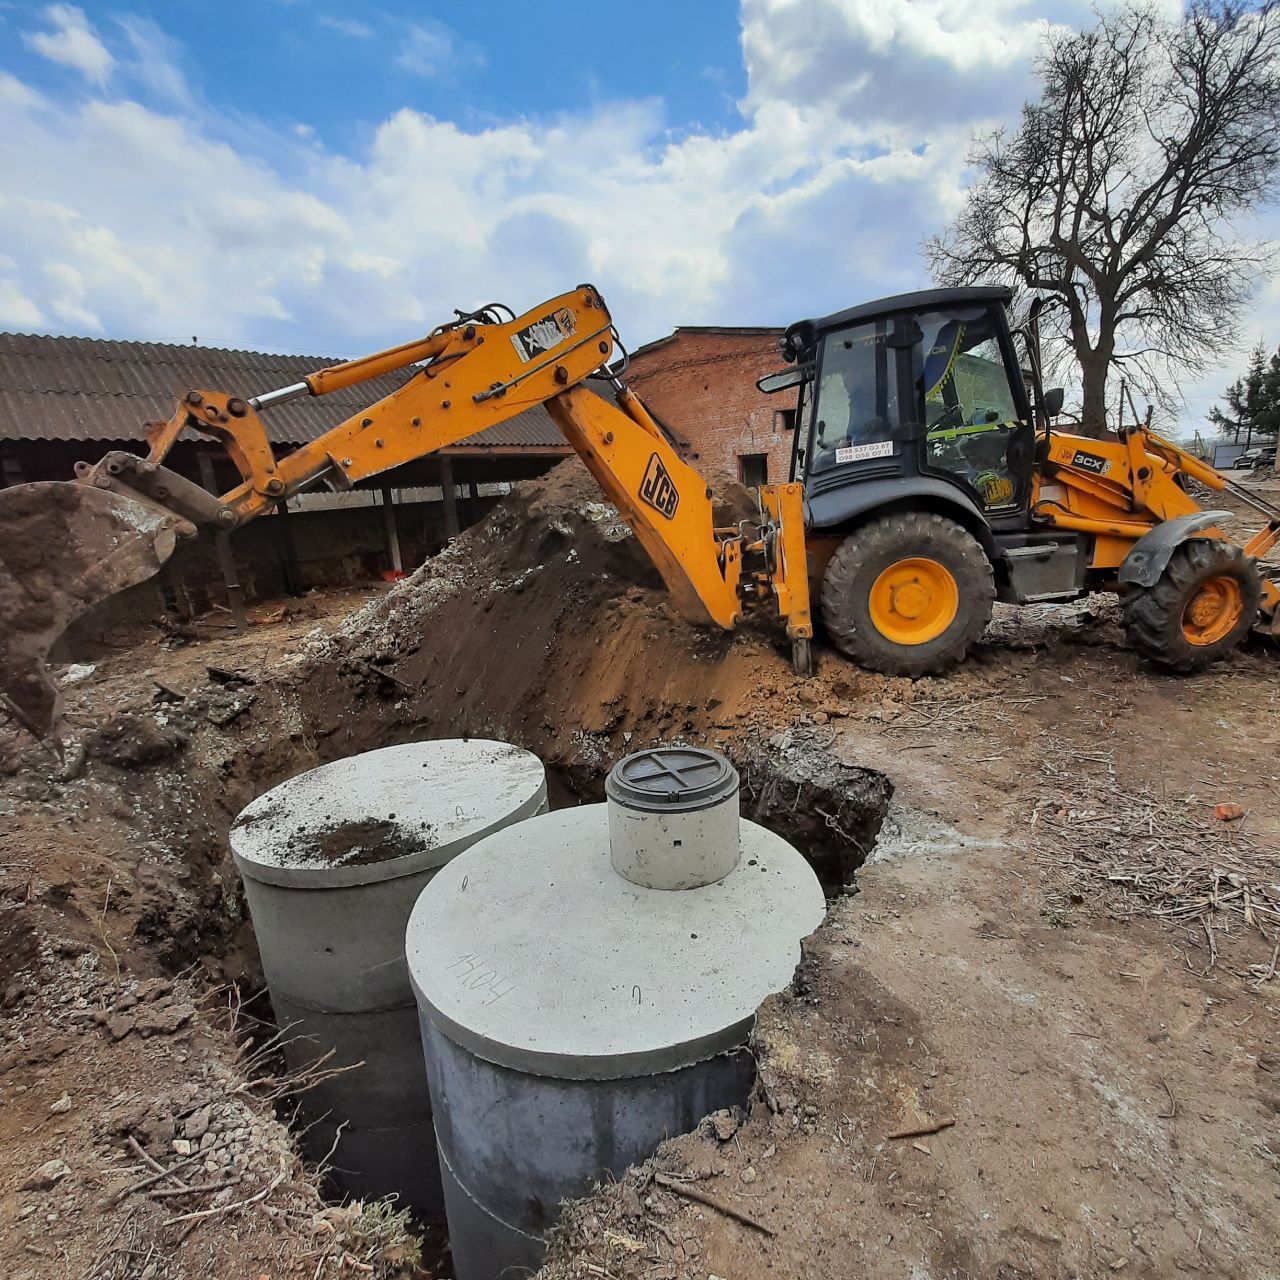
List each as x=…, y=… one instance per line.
x=95, y=389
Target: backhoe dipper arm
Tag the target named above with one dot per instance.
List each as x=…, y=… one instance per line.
x=475, y=373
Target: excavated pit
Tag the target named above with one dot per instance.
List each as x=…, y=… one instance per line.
x=544, y=627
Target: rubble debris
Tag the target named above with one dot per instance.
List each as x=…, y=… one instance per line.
x=229, y=678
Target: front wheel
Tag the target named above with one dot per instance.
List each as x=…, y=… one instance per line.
x=908, y=594
x=1200, y=608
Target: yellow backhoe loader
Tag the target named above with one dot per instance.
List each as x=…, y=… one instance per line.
x=926, y=482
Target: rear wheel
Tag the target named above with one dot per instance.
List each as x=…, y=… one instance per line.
x=1201, y=607
x=908, y=594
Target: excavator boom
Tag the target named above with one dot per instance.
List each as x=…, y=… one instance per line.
x=119, y=521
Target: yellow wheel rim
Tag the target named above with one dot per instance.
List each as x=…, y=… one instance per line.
x=1213, y=610
x=914, y=601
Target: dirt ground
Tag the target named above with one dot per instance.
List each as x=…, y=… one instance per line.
x=1054, y=978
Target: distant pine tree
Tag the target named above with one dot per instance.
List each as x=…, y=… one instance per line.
x=1253, y=401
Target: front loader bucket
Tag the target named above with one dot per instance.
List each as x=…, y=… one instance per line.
x=63, y=548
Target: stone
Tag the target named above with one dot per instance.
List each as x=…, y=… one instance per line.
x=182, y=1146
x=197, y=1124
x=46, y=1176
x=119, y=1025
x=16, y=992
x=154, y=988
x=62, y=1106
x=163, y=1019
x=725, y=1124
x=749, y=1174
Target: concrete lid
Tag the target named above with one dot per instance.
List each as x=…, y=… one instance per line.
x=430, y=799
x=530, y=951
x=671, y=779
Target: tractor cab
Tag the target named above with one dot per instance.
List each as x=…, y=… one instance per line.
x=916, y=448
x=922, y=393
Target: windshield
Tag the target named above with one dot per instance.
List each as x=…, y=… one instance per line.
x=857, y=404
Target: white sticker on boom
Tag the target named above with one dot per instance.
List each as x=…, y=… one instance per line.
x=859, y=452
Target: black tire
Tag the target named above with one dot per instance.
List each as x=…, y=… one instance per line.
x=1154, y=616
x=866, y=553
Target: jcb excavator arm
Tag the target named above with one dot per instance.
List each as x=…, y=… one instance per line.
x=471, y=374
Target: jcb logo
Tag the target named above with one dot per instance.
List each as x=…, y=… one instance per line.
x=657, y=489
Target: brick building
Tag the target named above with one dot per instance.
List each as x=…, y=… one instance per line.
x=701, y=381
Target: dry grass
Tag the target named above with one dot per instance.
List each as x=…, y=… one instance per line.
x=1142, y=852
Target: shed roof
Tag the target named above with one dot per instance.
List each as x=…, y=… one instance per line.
x=54, y=388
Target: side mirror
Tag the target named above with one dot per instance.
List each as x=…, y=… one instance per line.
x=1053, y=399
x=780, y=381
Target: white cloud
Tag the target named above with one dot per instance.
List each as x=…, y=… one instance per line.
x=156, y=61
x=429, y=48
x=72, y=43
x=17, y=311
x=352, y=27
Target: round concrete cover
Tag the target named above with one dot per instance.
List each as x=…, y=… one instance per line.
x=530, y=951
x=429, y=799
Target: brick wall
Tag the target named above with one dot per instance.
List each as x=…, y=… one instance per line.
x=703, y=385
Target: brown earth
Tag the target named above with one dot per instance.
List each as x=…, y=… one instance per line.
x=1055, y=943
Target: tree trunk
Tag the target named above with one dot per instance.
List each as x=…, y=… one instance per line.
x=1093, y=405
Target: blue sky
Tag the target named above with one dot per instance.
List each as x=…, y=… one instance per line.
x=329, y=178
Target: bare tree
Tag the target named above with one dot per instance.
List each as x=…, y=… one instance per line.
x=1117, y=193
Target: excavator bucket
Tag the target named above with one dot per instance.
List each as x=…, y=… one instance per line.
x=63, y=547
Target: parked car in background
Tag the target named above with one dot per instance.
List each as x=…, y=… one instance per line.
x=1251, y=459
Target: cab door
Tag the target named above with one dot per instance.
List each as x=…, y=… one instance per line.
x=978, y=430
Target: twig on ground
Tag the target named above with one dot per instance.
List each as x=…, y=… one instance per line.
x=163, y=1193
x=692, y=1193
x=219, y=1210
x=102, y=929
x=386, y=675
x=117, y=1196
x=923, y=1130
